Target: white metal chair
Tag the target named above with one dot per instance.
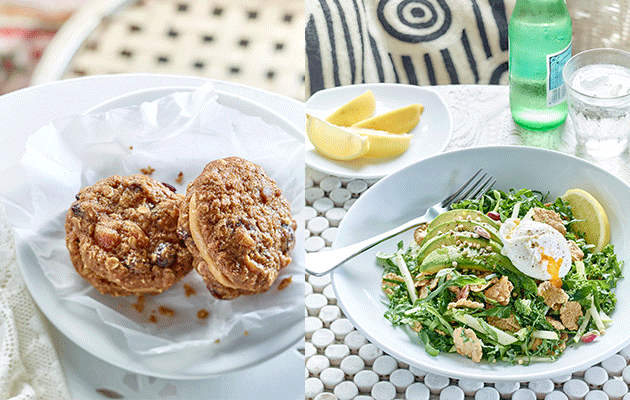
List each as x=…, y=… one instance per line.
x=255, y=42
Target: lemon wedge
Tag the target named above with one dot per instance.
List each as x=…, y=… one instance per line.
x=335, y=142
x=401, y=120
x=595, y=226
x=384, y=144
x=357, y=109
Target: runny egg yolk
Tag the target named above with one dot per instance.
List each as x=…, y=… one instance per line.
x=536, y=249
x=553, y=267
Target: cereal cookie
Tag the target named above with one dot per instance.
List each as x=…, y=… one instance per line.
x=122, y=236
x=238, y=227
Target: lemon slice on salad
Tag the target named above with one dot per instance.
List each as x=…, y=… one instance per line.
x=335, y=142
x=594, y=221
x=357, y=109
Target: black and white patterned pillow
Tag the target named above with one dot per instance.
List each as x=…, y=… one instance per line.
x=422, y=42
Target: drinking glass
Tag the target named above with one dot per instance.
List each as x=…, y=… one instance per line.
x=598, y=93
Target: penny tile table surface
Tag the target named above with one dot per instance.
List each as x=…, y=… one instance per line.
x=341, y=364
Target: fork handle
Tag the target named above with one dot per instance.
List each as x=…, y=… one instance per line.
x=324, y=262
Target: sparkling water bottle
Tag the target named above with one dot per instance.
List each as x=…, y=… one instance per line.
x=540, y=45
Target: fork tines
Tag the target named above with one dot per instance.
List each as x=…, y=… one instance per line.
x=473, y=188
x=487, y=185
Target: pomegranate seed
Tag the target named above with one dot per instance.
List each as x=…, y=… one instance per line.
x=589, y=337
x=494, y=215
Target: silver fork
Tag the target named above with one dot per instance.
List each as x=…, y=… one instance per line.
x=323, y=262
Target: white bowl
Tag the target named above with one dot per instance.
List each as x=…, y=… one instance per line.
x=408, y=192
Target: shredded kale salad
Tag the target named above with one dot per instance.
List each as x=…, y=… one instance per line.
x=456, y=287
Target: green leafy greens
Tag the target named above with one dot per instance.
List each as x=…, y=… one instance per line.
x=519, y=329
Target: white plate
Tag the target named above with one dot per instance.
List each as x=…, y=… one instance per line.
x=431, y=135
x=86, y=329
x=407, y=193
x=242, y=104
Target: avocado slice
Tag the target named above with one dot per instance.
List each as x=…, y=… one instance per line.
x=462, y=258
x=460, y=215
x=452, y=238
x=461, y=226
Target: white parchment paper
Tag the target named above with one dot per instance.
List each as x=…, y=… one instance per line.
x=181, y=132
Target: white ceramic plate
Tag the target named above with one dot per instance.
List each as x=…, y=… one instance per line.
x=242, y=104
x=407, y=193
x=431, y=135
x=86, y=329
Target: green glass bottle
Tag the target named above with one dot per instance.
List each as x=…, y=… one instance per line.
x=540, y=44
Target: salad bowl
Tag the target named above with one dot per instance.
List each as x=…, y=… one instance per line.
x=407, y=193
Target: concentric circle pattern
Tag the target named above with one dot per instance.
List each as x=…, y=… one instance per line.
x=414, y=21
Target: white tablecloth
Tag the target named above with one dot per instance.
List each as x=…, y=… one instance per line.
x=481, y=117
x=342, y=364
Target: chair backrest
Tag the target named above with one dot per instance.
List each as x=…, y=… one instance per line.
x=434, y=42
x=255, y=42
x=431, y=42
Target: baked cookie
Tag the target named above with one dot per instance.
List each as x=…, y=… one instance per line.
x=122, y=236
x=238, y=227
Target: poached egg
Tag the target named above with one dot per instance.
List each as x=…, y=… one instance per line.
x=536, y=249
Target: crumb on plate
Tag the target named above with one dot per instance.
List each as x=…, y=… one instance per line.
x=139, y=304
x=166, y=311
x=110, y=394
x=148, y=170
x=189, y=290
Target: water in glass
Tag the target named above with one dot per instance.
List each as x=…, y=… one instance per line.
x=599, y=105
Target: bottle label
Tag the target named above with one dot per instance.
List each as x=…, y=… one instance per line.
x=556, y=91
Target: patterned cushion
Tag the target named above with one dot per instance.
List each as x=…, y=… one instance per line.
x=422, y=42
